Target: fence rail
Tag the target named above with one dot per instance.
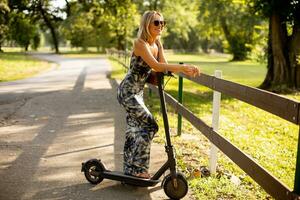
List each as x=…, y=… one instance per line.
x=272, y=185
x=278, y=105
x=283, y=107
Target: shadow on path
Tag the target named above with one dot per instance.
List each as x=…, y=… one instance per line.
x=23, y=168
x=80, y=125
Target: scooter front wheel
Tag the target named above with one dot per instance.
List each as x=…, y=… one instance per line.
x=177, y=188
x=92, y=170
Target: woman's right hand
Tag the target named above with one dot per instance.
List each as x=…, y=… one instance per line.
x=191, y=70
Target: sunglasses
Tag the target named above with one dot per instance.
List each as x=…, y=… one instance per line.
x=158, y=22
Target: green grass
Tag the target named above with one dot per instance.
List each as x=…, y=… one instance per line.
x=15, y=66
x=268, y=139
x=246, y=72
x=118, y=71
x=63, y=50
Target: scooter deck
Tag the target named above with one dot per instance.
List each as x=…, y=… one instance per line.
x=127, y=179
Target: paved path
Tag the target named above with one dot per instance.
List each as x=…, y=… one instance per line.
x=49, y=124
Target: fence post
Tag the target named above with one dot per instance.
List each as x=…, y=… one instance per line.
x=180, y=97
x=297, y=172
x=215, y=125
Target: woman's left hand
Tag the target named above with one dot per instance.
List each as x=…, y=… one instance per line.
x=196, y=71
x=191, y=70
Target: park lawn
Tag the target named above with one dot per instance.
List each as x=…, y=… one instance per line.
x=246, y=72
x=15, y=66
x=118, y=71
x=271, y=141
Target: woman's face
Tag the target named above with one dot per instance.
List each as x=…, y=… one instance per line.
x=156, y=26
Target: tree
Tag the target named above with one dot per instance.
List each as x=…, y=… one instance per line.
x=101, y=23
x=283, y=43
x=231, y=21
x=36, y=40
x=4, y=10
x=22, y=29
x=79, y=30
x=122, y=20
x=49, y=18
x=40, y=12
x=180, y=31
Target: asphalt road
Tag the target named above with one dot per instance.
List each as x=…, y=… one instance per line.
x=51, y=123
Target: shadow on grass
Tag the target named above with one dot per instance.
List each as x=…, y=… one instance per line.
x=190, y=99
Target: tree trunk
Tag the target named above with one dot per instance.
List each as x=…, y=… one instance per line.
x=279, y=76
x=204, y=45
x=297, y=75
x=281, y=68
x=68, y=8
x=50, y=26
x=294, y=53
x=120, y=41
x=270, y=75
x=236, y=47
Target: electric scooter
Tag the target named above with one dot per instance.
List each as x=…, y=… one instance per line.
x=174, y=184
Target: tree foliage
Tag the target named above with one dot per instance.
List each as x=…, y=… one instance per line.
x=145, y=5
x=122, y=21
x=4, y=10
x=22, y=30
x=235, y=26
x=181, y=24
x=78, y=28
x=101, y=23
x=40, y=12
x=231, y=22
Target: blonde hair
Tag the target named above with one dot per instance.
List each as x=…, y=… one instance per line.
x=146, y=19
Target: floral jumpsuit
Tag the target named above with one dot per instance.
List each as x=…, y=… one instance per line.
x=140, y=124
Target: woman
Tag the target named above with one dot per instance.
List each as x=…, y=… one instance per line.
x=141, y=126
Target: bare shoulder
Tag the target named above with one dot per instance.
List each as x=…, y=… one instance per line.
x=138, y=46
x=139, y=43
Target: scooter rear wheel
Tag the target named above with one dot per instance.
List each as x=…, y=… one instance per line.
x=92, y=170
x=178, y=191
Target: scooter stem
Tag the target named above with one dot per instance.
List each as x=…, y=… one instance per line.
x=169, y=147
x=163, y=108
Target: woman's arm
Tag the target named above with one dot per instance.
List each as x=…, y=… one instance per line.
x=141, y=49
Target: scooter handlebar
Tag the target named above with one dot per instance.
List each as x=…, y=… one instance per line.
x=168, y=73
